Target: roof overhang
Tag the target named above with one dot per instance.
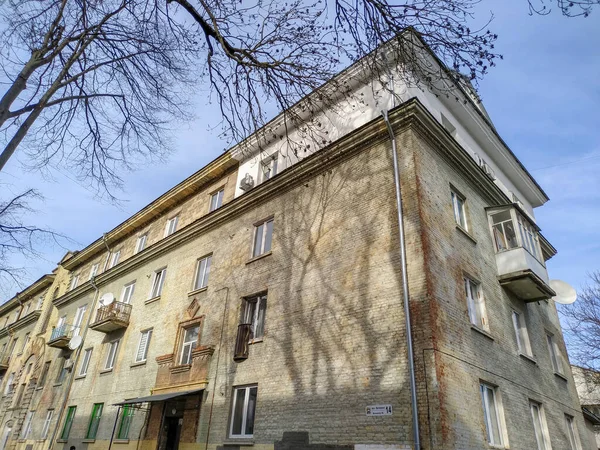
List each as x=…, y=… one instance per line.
x=158, y=397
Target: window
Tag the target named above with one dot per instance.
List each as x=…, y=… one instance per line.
x=268, y=168
x=141, y=242
x=263, y=233
x=64, y=435
x=242, y=412
x=44, y=374
x=190, y=342
x=27, y=425
x=125, y=422
x=26, y=309
x=9, y=384
x=74, y=282
x=458, y=204
x=61, y=322
x=19, y=396
x=47, y=423
x=492, y=415
x=142, y=351
x=528, y=236
x=505, y=222
x=78, y=319
x=127, y=292
x=216, y=200
x=202, y=272
x=85, y=362
x=94, y=421
x=16, y=316
x=62, y=371
x=40, y=302
x=171, y=226
x=503, y=229
x=254, y=314
x=114, y=259
x=554, y=353
x=25, y=342
x=475, y=304
x=521, y=333
x=572, y=432
x=112, y=355
x=539, y=426
x=93, y=271
x=157, y=282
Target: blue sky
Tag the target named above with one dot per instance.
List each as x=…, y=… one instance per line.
x=544, y=99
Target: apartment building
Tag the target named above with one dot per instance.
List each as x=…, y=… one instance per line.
x=261, y=302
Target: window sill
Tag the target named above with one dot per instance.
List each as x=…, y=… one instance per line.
x=106, y=371
x=197, y=291
x=255, y=341
x=152, y=300
x=62, y=441
x=138, y=364
x=88, y=441
x=256, y=258
x=121, y=441
x=57, y=384
x=80, y=377
x=561, y=376
x=468, y=235
x=240, y=441
x=483, y=332
x=528, y=358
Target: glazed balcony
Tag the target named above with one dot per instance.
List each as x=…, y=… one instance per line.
x=112, y=317
x=61, y=335
x=519, y=259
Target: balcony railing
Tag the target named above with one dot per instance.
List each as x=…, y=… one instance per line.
x=112, y=317
x=61, y=335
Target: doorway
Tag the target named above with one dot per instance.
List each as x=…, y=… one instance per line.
x=172, y=432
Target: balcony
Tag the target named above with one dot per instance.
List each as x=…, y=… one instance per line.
x=4, y=361
x=172, y=376
x=111, y=317
x=61, y=336
x=519, y=258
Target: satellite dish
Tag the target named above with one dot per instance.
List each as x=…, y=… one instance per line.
x=565, y=293
x=75, y=342
x=106, y=299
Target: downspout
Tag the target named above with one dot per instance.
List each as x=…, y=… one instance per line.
x=108, y=252
x=411, y=359
x=75, y=364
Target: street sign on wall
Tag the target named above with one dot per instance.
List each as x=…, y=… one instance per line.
x=379, y=410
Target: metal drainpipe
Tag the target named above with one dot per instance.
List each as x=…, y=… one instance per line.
x=75, y=364
x=108, y=250
x=411, y=359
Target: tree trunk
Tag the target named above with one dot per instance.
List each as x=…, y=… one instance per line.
x=18, y=86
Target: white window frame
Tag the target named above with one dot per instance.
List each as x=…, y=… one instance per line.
x=555, y=355
x=522, y=334
x=216, y=200
x=140, y=244
x=25, y=341
x=459, y=207
x=9, y=382
x=27, y=425
x=114, y=258
x=252, y=316
x=85, y=362
x=111, y=355
x=244, y=411
x=26, y=309
x=572, y=432
x=40, y=303
x=202, y=272
x=187, y=347
x=525, y=232
x=146, y=344
x=484, y=389
x=47, y=422
x=475, y=303
x=171, y=226
x=158, y=282
x=261, y=229
x=268, y=167
x=543, y=426
x=78, y=319
x=94, y=270
x=127, y=292
x=74, y=282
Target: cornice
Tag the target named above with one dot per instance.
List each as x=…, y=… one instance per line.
x=411, y=114
x=23, y=321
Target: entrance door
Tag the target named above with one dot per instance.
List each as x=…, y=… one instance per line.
x=172, y=432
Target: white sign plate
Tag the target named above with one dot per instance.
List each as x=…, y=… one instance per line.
x=379, y=410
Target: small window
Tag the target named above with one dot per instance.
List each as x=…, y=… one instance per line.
x=40, y=302
x=492, y=415
x=521, y=333
x=540, y=427
x=26, y=309
x=458, y=205
x=554, y=354
x=47, y=423
x=142, y=350
x=242, y=412
x=94, y=421
x=93, y=271
x=475, y=304
x=263, y=233
x=9, y=384
x=62, y=371
x=114, y=259
x=127, y=292
x=141, y=242
x=125, y=420
x=505, y=237
x=254, y=313
x=64, y=435
x=44, y=374
x=27, y=425
x=171, y=226
x=202, y=272
x=158, y=282
x=190, y=342
x=25, y=342
x=572, y=432
x=111, y=355
x=85, y=362
x=216, y=200
x=78, y=319
x=268, y=168
x=74, y=282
